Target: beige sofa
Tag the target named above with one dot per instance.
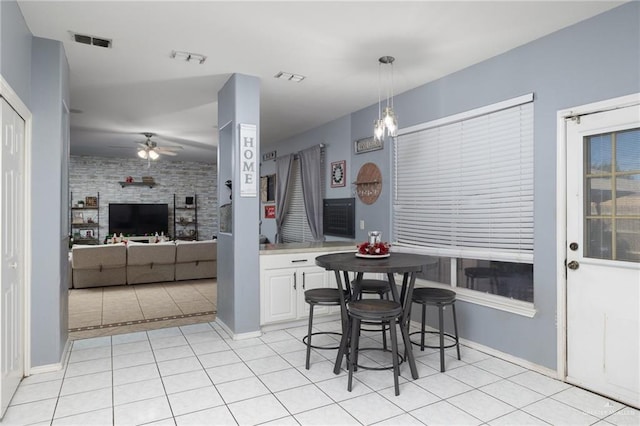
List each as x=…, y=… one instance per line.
x=137, y=263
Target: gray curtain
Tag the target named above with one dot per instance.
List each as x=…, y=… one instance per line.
x=283, y=171
x=311, y=174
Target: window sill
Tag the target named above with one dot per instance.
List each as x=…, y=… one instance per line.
x=517, y=307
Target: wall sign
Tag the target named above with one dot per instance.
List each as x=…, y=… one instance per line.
x=248, y=161
x=269, y=156
x=367, y=144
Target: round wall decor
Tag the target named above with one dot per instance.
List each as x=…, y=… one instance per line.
x=369, y=183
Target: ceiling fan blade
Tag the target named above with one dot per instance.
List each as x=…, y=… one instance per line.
x=164, y=152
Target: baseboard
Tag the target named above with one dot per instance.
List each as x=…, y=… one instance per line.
x=50, y=368
x=502, y=355
x=237, y=336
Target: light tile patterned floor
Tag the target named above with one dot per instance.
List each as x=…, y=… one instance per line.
x=105, y=311
x=197, y=375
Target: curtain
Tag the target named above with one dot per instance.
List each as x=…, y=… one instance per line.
x=283, y=171
x=311, y=173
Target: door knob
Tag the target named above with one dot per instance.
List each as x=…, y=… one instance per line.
x=573, y=246
x=573, y=265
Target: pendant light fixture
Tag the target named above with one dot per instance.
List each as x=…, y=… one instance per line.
x=387, y=122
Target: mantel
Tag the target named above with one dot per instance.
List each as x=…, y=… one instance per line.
x=149, y=184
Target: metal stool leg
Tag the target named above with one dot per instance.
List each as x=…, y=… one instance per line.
x=384, y=333
x=424, y=321
x=353, y=353
x=455, y=328
x=441, y=326
x=394, y=354
x=309, y=332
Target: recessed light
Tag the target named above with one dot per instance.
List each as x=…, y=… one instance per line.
x=296, y=78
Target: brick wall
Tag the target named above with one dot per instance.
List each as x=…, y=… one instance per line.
x=91, y=175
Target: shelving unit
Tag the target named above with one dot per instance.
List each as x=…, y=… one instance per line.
x=185, y=219
x=85, y=221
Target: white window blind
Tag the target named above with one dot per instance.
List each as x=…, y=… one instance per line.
x=296, y=226
x=464, y=188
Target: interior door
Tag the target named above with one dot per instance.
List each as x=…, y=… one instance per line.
x=11, y=218
x=603, y=253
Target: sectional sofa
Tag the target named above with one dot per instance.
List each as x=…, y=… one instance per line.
x=139, y=263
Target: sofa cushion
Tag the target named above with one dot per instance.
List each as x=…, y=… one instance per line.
x=196, y=259
x=99, y=266
x=150, y=263
x=190, y=251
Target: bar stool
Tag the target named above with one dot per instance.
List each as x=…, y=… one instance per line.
x=441, y=298
x=383, y=311
x=320, y=297
x=382, y=289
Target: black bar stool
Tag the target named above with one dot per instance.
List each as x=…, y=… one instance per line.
x=441, y=298
x=321, y=297
x=372, y=310
x=382, y=289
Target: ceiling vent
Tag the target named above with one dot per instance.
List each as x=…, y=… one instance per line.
x=91, y=40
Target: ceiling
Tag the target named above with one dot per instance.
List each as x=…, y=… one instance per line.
x=135, y=86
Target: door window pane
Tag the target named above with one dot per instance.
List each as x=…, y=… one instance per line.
x=628, y=151
x=628, y=240
x=598, y=239
x=599, y=154
x=598, y=196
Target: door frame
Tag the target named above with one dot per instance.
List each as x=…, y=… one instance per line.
x=561, y=213
x=16, y=103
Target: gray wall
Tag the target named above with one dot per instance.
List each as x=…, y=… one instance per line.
x=593, y=60
x=49, y=79
x=37, y=66
x=238, y=254
x=15, y=50
x=89, y=175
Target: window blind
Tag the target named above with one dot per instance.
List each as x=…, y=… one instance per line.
x=296, y=226
x=465, y=188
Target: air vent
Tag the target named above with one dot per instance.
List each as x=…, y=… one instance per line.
x=95, y=41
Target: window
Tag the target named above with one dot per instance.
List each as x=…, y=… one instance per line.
x=463, y=191
x=295, y=228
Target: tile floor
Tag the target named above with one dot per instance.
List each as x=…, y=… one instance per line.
x=112, y=310
x=197, y=375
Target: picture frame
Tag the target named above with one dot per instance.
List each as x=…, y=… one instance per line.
x=91, y=202
x=86, y=233
x=77, y=217
x=338, y=172
x=270, y=211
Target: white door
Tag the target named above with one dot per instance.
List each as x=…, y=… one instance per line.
x=11, y=211
x=603, y=253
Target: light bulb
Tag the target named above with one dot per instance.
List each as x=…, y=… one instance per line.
x=142, y=154
x=153, y=155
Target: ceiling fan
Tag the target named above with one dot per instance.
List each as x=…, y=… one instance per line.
x=149, y=150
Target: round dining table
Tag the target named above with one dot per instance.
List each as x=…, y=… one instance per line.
x=407, y=264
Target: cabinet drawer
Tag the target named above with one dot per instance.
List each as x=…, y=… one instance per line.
x=275, y=261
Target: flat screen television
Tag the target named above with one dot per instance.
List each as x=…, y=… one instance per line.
x=138, y=219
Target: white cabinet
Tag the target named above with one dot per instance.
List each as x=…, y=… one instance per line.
x=283, y=281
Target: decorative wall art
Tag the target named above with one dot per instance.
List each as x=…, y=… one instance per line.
x=338, y=172
x=369, y=183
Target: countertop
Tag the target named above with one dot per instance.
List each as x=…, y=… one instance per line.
x=328, y=246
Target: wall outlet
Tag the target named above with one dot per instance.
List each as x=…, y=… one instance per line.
x=362, y=224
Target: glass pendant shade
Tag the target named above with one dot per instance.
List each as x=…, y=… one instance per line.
x=390, y=121
x=142, y=154
x=153, y=155
x=387, y=122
